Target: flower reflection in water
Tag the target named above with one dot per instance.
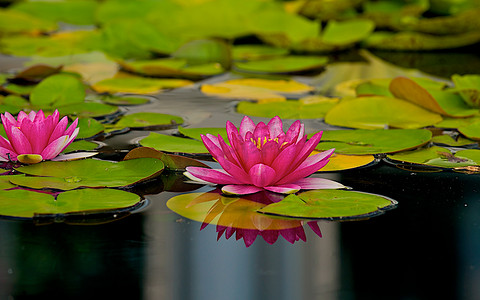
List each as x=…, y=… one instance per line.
x=239, y=216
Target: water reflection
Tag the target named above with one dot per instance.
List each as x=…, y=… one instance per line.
x=240, y=217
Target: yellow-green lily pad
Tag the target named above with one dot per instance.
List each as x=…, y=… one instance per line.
x=173, y=144
x=341, y=162
x=469, y=88
x=137, y=85
x=378, y=112
x=362, y=142
x=147, y=120
x=330, y=205
x=448, y=140
x=87, y=109
x=89, y=127
x=256, y=52
x=471, y=131
x=58, y=90
x=283, y=65
x=438, y=157
x=88, y=173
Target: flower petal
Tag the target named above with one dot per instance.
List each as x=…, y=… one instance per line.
x=313, y=183
x=5, y=143
x=19, y=141
x=7, y=154
x=314, y=226
x=284, y=189
x=59, y=130
x=240, y=189
x=262, y=175
x=247, y=125
x=270, y=236
x=217, y=176
x=275, y=127
x=72, y=127
x=54, y=148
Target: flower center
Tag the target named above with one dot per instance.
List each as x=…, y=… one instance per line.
x=260, y=143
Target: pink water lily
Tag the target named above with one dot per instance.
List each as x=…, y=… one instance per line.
x=264, y=157
x=33, y=137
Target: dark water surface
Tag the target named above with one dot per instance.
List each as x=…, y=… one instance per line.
x=426, y=248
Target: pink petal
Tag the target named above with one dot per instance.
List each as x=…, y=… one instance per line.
x=228, y=152
x=240, y=189
x=39, y=117
x=261, y=134
x=261, y=175
x=19, y=141
x=5, y=143
x=54, y=148
x=59, y=130
x=31, y=115
x=275, y=126
x=71, y=138
x=269, y=152
x=314, y=226
x=293, y=132
x=284, y=189
x=217, y=176
x=301, y=133
x=283, y=162
x=55, y=116
x=20, y=117
x=311, y=165
x=74, y=156
x=5, y=153
x=247, y=125
x=72, y=127
x=313, y=183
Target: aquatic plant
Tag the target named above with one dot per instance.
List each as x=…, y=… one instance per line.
x=264, y=157
x=33, y=137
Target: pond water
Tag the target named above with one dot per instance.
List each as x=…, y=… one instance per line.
x=426, y=248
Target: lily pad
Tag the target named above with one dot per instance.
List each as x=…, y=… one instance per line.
x=362, y=142
x=88, y=173
x=146, y=120
x=380, y=112
x=195, y=133
x=173, y=144
x=17, y=89
x=204, y=51
x=172, y=162
x=58, y=90
x=307, y=109
x=347, y=32
x=440, y=102
x=12, y=21
x=125, y=100
x=471, y=131
x=340, y=162
x=283, y=65
x=81, y=146
x=167, y=67
x=469, y=88
x=5, y=180
x=29, y=204
x=454, y=123
x=137, y=85
x=330, y=205
x=87, y=109
x=438, y=157
x=89, y=127
x=37, y=72
x=448, y=140
x=256, y=52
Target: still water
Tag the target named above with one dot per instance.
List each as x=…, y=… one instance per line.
x=426, y=248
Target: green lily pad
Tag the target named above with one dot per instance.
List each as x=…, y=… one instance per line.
x=5, y=180
x=173, y=144
x=414, y=41
x=18, y=89
x=58, y=90
x=469, y=88
x=138, y=85
x=12, y=21
x=282, y=65
x=81, y=146
x=471, y=131
x=457, y=122
x=172, y=162
x=288, y=109
x=204, y=51
x=380, y=112
x=15, y=100
x=330, y=205
x=164, y=67
x=438, y=157
x=256, y=52
x=125, y=100
x=29, y=204
x=448, y=140
x=145, y=119
x=195, y=133
x=88, y=173
x=373, y=141
x=347, y=32
x=89, y=127
x=87, y=109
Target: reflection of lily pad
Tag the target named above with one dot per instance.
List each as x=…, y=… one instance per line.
x=373, y=141
x=29, y=203
x=174, y=144
x=288, y=109
x=88, y=173
x=439, y=157
x=380, y=112
x=286, y=64
x=330, y=205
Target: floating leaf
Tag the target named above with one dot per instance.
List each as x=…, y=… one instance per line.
x=37, y=73
x=5, y=180
x=282, y=65
x=414, y=41
x=380, y=112
x=441, y=102
x=81, y=145
x=471, y=131
x=205, y=51
x=89, y=127
x=172, y=162
x=339, y=162
x=373, y=141
x=164, y=67
x=17, y=89
x=347, y=32
x=58, y=90
x=438, y=157
x=12, y=21
x=256, y=52
x=87, y=109
x=28, y=203
x=145, y=119
x=308, y=108
x=457, y=122
x=195, y=133
x=125, y=100
x=448, y=140
x=173, y=144
x=93, y=72
x=88, y=173
x=137, y=85
x=469, y=88
x=330, y=205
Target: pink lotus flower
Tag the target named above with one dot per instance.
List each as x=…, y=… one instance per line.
x=264, y=157
x=33, y=138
